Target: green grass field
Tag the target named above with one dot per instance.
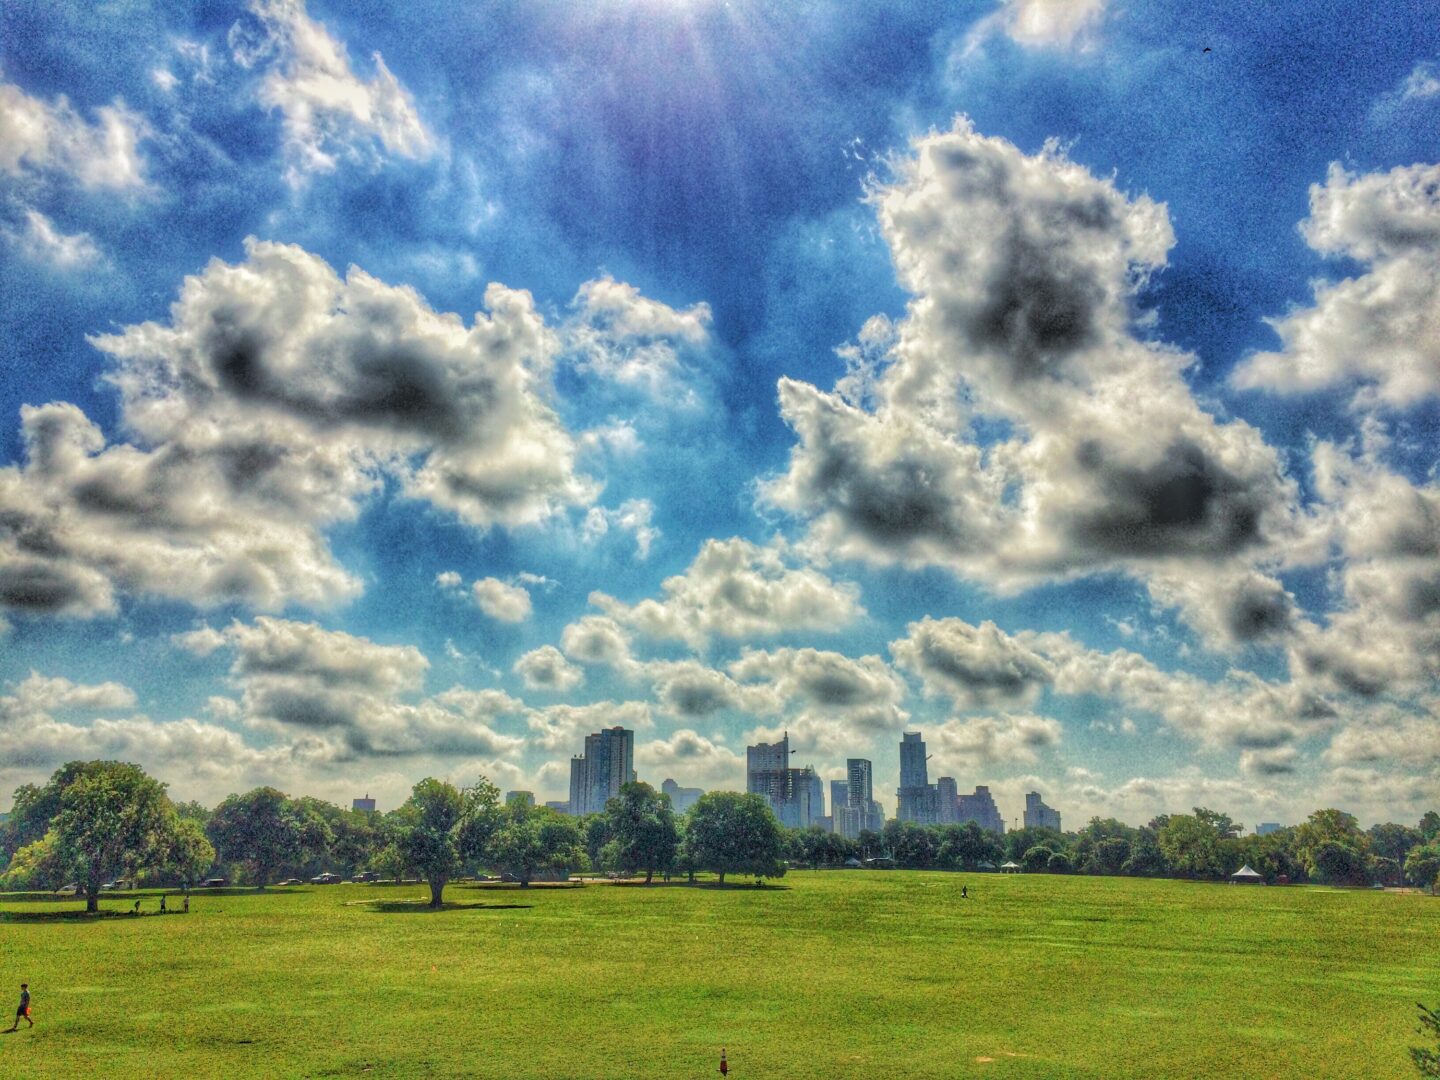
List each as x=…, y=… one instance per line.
x=833, y=974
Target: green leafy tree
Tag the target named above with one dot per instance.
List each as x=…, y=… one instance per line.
x=440, y=827
x=188, y=853
x=910, y=845
x=113, y=819
x=1059, y=864
x=1422, y=865
x=1191, y=845
x=1036, y=859
x=1019, y=841
x=596, y=829
x=1430, y=826
x=1427, y=1058
x=642, y=830
x=731, y=833
x=1337, y=864
x=265, y=830
x=531, y=839
x=1323, y=827
x=35, y=866
x=1392, y=841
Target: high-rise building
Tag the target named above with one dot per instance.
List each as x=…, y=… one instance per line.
x=1265, y=828
x=526, y=798
x=367, y=804
x=681, y=798
x=858, y=812
x=913, y=770
x=859, y=775
x=947, y=801
x=917, y=799
x=796, y=795
x=981, y=809
x=1038, y=815
x=839, y=798
x=607, y=765
x=762, y=761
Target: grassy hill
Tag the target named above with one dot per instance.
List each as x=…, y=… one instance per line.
x=831, y=974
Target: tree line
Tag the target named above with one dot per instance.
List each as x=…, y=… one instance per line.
x=96, y=821
x=1329, y=847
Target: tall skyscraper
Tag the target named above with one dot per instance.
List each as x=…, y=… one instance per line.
x=365, y=805
x=859, y=812
x=598, y=775
x=796, y=795
x=917, y=799
x=1038, y=815
x=817, y=794
x=762, y=761
x=859, y=774
x=513, y=797
x=913, y=771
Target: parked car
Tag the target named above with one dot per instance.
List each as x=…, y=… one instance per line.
x=292, y=881
x=214, y=883
x=73, y=889
x=366, y=876
x=325, y=879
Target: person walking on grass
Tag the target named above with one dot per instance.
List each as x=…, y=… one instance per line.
x=964, y=892
x=23, y=1012
x=162, y=903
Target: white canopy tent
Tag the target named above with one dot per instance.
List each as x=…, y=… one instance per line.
x=1247, y=876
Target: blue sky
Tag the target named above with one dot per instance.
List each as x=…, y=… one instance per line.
x=395, y=393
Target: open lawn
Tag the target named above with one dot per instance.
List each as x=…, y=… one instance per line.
x=831, y=974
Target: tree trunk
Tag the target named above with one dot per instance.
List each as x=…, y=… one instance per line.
x=437, y=887
x=92, y=897
x=649, y=876
x=722, y=877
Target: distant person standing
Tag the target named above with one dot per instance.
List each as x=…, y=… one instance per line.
x=964, y=892
x=162, y=903
x=187, y=905
x=23, y=1012
x=724, y=1065
x=136, y=909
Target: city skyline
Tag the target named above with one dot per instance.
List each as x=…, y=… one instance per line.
x=404, y=392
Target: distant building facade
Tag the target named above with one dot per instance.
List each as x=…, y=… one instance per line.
x=365, y=805
x=681, y=798
x=1268, y=827
x=952, y=808
x=597, y=775
x=947, y=801
x=857, y=811
x=981, y=809
x=525, y=798
x=916, y=800
x=563, y=805
x=796, y=795
x=1038, y=815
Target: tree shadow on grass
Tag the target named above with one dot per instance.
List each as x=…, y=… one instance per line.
x=422, y=907
x=729, y=886
x=80, y=915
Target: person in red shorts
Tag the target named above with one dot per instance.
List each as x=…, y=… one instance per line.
x=24, y=1009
